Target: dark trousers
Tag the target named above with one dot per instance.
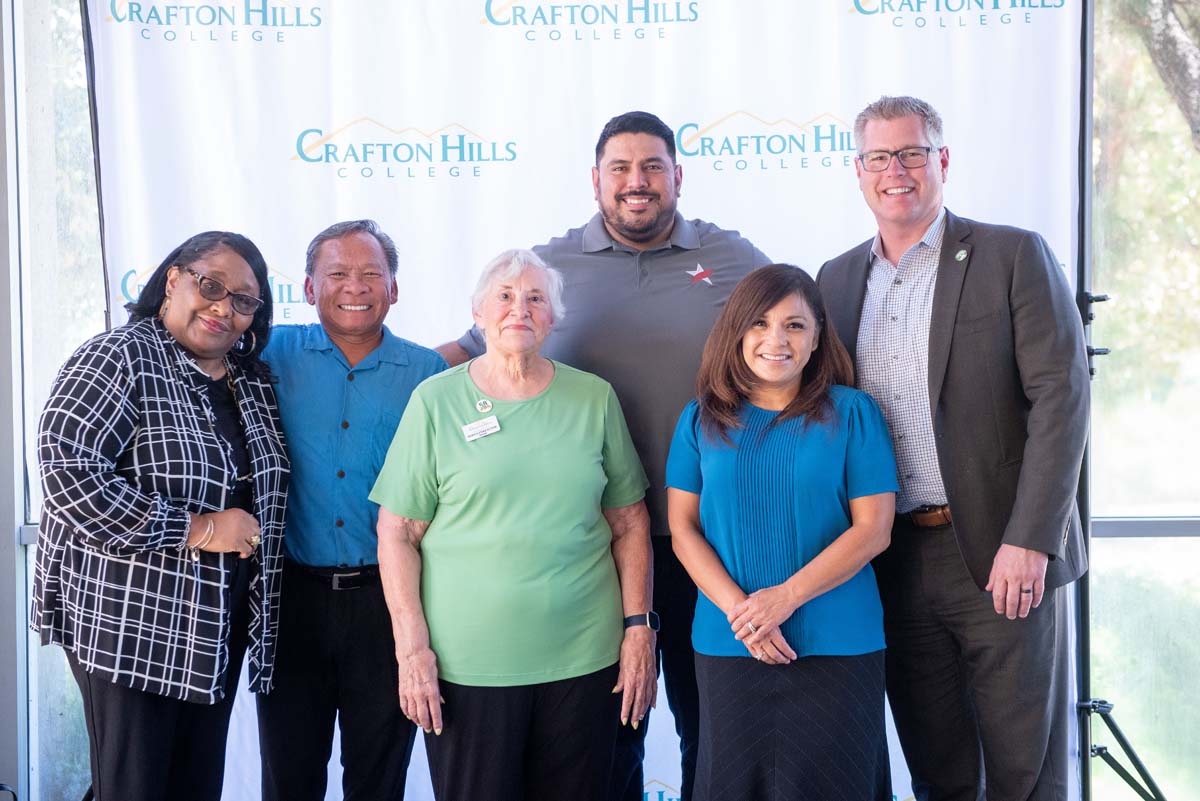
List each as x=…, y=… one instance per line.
x=335, y=657
x=529, y=743
x=981, y=703
x=147, y=747
x=675, y=602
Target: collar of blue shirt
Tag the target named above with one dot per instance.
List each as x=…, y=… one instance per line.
x=391, y=349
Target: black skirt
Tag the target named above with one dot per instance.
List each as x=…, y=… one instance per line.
x=809, y=731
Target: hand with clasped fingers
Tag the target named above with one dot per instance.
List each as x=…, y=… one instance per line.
x=755, y=622
x=230, y=531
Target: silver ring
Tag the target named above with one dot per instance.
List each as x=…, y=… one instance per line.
x=758, y=655
x=752, y=627
x=255, y=540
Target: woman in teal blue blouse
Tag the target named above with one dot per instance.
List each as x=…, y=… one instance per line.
x=782, y=488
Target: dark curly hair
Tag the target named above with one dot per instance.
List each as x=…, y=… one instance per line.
x=193, y=250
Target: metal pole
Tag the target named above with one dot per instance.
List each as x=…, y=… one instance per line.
x=1106, y=715
x=1083, y=286
x=14, y=687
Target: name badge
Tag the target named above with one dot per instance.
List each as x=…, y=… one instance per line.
x=481, y=428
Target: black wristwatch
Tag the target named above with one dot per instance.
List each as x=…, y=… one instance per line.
x=650, y=619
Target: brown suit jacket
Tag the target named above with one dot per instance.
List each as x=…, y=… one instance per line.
x=1008, y=389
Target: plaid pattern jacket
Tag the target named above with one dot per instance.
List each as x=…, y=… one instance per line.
x=127, y=448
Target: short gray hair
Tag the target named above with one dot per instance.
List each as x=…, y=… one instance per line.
x=339, y=230
x=511, y=263
x=893, y=108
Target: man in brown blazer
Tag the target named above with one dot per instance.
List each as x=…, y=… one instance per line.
x=967, y=335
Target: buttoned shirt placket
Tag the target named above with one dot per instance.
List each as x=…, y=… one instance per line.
x=892, y=360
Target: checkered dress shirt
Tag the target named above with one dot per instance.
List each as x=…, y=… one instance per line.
x=893, y=361
x=127, y=447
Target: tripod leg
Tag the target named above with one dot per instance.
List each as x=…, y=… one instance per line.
x=1133, y=757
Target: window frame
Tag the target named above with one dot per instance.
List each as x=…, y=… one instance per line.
x=14, y=661
x=1104, y=527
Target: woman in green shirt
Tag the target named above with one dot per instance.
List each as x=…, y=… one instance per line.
x=513, y=541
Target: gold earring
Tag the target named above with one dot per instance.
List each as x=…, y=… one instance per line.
x=166, y=304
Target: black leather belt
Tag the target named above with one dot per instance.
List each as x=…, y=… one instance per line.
x=337, y=578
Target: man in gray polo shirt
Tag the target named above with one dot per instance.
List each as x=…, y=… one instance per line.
x=643, y=287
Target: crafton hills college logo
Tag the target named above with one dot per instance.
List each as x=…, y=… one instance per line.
x=248, y=21
x=365, y=148
x=741, y=141
x=951, y=14
x=591, y=22
x=654, y=790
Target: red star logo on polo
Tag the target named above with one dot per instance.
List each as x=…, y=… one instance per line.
x=700, y=274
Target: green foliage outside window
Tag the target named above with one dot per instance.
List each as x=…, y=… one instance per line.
x=1146, y=419
x=1146, y=246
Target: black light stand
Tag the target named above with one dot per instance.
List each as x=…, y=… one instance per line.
x=1088, y=706
x=1150, y=792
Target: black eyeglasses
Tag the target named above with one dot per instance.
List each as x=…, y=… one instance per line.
x=212, y=289
x=880, y=160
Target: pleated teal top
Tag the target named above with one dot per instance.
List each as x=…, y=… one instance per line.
x=777, y=497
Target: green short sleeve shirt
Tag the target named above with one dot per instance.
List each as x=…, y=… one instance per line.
x=518, y=582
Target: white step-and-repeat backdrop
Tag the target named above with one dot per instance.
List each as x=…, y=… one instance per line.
x=468, y=126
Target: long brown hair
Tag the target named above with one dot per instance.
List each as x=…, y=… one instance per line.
x=725, y=381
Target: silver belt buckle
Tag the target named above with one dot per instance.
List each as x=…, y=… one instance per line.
x=337, y=579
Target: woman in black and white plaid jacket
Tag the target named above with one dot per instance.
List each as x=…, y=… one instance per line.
x=165, y=479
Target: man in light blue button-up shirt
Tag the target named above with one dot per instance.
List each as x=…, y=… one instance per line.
x=343, y=385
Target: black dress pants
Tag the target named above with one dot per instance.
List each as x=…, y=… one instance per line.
x=146, y=747
x=335, y=657
x=535, y=742
x=981, y=702
x=675, y=602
